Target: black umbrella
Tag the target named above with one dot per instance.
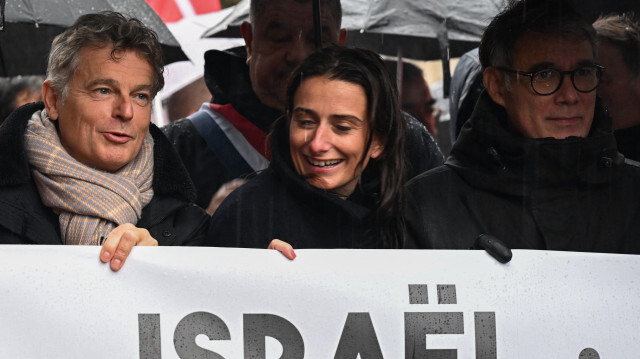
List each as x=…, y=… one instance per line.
x=414, y=28
x=30, y=26
x=417, y=29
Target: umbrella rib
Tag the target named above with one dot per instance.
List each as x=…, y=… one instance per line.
x=366, y=19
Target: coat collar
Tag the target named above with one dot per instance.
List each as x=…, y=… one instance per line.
x=488, y=154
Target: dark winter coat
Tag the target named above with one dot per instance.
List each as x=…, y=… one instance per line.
x=576, y=194
x=628, y=140
x=171, y=217
x=278, y=203
x=227, y=77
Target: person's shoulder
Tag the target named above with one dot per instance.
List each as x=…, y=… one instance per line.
x=180, y=128
x=430, y=176
x=185, y=139
x=422, y=150
x=419, y=137
x=185, y=129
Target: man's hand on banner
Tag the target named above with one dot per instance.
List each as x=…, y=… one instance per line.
x=283, y=247
x=121, y=240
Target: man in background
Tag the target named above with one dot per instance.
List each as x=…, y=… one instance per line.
x=227, y=138
x=619, y=53
x=415, y=96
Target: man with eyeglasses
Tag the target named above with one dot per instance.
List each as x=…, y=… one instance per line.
x=536, y=165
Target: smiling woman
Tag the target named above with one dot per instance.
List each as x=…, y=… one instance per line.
x=338, y=164
x=328, y=134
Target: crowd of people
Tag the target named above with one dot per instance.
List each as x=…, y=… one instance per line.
x=306, y=148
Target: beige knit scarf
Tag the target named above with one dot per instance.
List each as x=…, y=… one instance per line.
x=90, y=203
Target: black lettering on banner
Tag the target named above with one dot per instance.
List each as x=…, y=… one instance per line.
x=485, y=323
x=259, y=326
x=418, y=325
x=358, y=337
x=418, y=294
x=194, y=324
x=447, y=294
x=149, y=336
x=589, y=353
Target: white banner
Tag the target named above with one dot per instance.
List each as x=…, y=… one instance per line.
x=61, y=302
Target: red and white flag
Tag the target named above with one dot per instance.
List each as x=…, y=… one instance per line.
x=175, y=10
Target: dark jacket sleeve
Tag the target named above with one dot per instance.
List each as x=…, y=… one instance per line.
x=174, y=222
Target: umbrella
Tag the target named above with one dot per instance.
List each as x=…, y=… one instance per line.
x=30, y=26
x=420, y=29
x=415, y=28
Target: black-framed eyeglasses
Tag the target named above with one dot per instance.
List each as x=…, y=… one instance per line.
x=547, y=81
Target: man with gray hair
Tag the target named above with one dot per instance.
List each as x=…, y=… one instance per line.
x=226, y=139
x=536, y=165
x=619, y=52
x=86, y=167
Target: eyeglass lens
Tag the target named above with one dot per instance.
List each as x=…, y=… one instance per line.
x=547, y=81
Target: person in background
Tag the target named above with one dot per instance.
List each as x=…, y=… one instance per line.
x=415, y=97
x=338, y=166
x=536, y=166
x=619, y=53
x=86, y=166
x=466, y=87
x=17, y=91
x=227, y=138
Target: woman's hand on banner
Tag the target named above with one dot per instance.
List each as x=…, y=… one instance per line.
x=283, y=247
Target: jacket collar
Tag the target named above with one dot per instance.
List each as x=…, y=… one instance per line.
x=488, y=154
x=169, y=174
x=227, y=76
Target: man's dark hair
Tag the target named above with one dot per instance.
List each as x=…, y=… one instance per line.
x=623, y=32
x=107, y=28
x=257, y=7
x=556, y=17
x=409, y=70
x=366, y=69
